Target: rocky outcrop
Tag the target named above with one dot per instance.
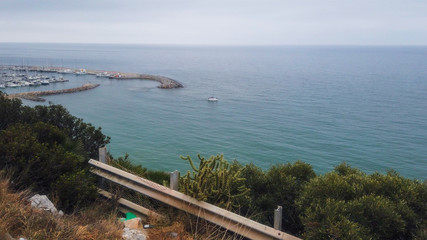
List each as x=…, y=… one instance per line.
x=42, y=202
x=35, y=96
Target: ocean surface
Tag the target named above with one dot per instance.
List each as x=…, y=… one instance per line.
x=366, y=106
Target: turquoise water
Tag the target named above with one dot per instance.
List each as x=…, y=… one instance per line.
x=323, y=105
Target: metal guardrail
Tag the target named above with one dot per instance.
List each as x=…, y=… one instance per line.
x=226, y=219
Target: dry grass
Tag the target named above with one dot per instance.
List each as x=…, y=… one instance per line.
x=97, y=221
x=189, y=227
x=20, y=220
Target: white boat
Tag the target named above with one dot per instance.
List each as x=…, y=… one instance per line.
x=61, y=79
x=2, y=86
x=80, y=72
x=45, y=82
x=12, y=85
x=25, y=84
x=67, y=70
x=103, y=74
x=212, y=99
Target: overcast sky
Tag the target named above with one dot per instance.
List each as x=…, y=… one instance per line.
x=216, y=22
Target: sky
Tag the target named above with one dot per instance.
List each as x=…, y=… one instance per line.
x=216, y=22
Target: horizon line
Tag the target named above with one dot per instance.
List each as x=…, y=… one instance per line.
x=227, y=45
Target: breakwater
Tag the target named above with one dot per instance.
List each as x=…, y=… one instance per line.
x=165, y=82
x=35, y=96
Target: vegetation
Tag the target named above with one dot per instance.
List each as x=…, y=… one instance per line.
x=215, y=181
x=124, y=163
x=13, y=112
x=46, y=148
x=343, y=204
x=280, y=185
x=20, y=220
x=349, y=204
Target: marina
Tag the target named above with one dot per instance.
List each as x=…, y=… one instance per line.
x=13, y=76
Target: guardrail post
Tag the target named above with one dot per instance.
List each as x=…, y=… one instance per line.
x=103, y=155
x=103, y=159
x=278, y=218
x=174, y=180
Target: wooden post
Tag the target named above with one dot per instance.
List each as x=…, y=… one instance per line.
x=278, y=218
x=103, y=155
x=174, y=180
x=103, y=159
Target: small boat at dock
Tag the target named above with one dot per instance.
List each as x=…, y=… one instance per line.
x=45, y=82
x=12, y=85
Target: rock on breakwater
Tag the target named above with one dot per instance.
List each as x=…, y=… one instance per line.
x=35, y=96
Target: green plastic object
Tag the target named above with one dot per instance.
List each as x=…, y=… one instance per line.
x=129, y=216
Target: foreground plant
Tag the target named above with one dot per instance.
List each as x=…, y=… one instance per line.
x=215, y=181
x=349, y=204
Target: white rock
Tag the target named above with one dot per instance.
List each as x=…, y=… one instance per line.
x=133, y=234
x=43, y=203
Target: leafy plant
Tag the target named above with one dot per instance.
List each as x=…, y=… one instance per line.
x=349, y=204
x=215, y=181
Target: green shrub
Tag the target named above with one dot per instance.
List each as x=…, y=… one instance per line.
x=46, y=148
x=279, y=186
x=215, y=181
x=75, y=189
x=36, y=156
x=125, y=164
x=376, y=206
x=12, y=112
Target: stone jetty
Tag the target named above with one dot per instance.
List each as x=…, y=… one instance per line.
x=35, y=96
x=164, y=81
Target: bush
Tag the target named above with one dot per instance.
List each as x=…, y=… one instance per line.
x=36, y=156
x=125, y=164
x=46, y=148
x=373, y=206
x=75, y=189
x=12, y=112
x=280, y=185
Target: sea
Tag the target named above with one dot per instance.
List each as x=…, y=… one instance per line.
x=323, y=105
